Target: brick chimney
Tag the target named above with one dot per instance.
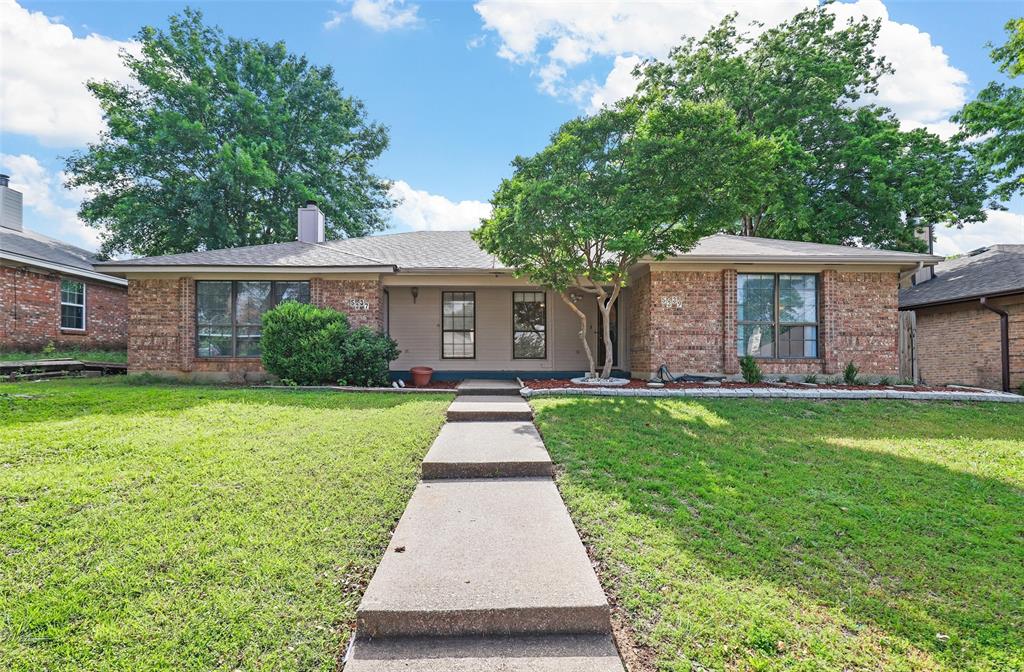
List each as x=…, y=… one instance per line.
x=10, y=205
x=311, y=223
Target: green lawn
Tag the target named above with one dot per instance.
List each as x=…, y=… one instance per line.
x=755, y=535
x=171, y=527
x=119, y=356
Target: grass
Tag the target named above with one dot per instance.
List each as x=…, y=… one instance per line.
x=158, y=527
x=117, y=356
x=756, y=535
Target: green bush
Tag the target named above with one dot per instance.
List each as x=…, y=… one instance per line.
x=306, y=345
x=811, y=378
x=750, y=370
x=850, y=374
x=366, y=356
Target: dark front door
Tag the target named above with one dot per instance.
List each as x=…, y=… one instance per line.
x=613, y=317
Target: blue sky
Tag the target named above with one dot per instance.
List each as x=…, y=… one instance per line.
x=463, y=87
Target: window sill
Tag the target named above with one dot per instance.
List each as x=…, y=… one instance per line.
x=69, y=330
x=776, y=360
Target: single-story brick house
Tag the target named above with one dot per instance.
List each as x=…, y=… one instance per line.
x=52, y=292
x=969, y=315
x=798, y=307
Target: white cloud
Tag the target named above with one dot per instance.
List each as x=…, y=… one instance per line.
x=1001, y=227
x=44, y=193
x=554, y=37
x=43, y=73
x=423, y=211
x=381, y=15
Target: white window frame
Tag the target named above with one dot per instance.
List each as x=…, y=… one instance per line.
x=82, y=305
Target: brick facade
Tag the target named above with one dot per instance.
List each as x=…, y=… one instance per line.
x=960, y=343
x=162, y=333
x=30, y=313
x=687, y=320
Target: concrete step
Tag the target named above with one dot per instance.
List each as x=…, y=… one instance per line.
x=487, y=450
x=479, y=386
x=486, y=407
x=523, y=653
x=484, y=557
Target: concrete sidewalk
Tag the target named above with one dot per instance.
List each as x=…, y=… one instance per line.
x=485, y=570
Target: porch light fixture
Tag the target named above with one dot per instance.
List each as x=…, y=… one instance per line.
x=415, y=291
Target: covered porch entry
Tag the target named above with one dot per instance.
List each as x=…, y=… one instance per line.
x=495, y=326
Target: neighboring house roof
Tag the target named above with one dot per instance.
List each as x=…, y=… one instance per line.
x=35, y=249
x=990, y=271
x=457, y=251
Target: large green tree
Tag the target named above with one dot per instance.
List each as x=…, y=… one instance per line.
x=847, y=173
x=216, y=141
x=635, y=181
x=994, y=121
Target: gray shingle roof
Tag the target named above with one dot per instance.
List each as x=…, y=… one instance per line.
x=37, y=246
x=726, y=246
x=999, y=269
x=457, y=251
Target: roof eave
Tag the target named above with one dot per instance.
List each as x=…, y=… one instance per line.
x=962, y=299
x=114, y=267
x=902, y=260
x=63, y=268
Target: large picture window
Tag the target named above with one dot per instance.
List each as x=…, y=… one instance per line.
x=458, y=325
x=529, y=325
x=72, y=305
x=228, y=313
x=777, y=315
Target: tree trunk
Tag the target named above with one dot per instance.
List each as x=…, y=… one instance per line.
x=592, y=370
x=605, y=306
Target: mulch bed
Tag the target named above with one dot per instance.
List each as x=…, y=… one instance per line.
x=435, y=385
x=636, y=383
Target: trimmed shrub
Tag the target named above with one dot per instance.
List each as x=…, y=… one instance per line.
x=306, y=345
x=366, y=356
x=750, y=370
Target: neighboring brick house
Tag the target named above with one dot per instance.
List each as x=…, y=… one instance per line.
x=969, y=316
x=799, y=307
x=51, y=292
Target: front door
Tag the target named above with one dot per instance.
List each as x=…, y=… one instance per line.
x=613, y=318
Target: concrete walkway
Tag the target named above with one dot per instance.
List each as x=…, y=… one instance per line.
x=485, y=570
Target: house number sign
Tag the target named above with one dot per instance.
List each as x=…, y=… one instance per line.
x=671, y=302
x=358, y=304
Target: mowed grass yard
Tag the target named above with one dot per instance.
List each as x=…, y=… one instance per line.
x=757, y=535
x=166, y=527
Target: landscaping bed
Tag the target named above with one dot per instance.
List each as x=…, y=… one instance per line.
x=149, y=527
x=765, y=535
x=637, y=384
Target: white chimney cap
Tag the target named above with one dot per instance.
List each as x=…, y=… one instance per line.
x=311, y=223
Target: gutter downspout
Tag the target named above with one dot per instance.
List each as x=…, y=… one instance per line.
x=1004, y=339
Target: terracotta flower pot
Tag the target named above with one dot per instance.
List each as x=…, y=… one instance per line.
x=421, y=375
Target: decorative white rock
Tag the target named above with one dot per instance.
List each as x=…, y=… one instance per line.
x=601, y=382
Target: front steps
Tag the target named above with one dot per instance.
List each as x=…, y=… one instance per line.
x=487, y=450
x=485, y=570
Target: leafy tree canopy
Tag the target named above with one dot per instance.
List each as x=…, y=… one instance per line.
x=217, y=140
x=994, y=122
x=638, y=180
x=847, y=173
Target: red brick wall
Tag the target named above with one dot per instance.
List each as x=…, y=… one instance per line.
x=30, y=313
x=960, y=343
x=162, y=336
x=687, y=319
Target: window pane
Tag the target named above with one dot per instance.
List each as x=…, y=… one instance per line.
x=528, y=311
x=528, y=345
x=72, y=317
x=72, y=292
x=251, y=301
x=291, y=291
x=213, y=302
x=798, y=298
x=755, y=297
x=798, y=342
x=247, y=342
x=458, y=344
x=457, y=325
x=214, y=340
x=755, y=340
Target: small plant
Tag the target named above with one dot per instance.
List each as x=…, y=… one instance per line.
x=885, y=380
x=905, y=381
x=783, y=379
x=1020, y=390
x=750, y=370
x=850, y=374
x=832, y=380
x=49, y=351
x=811, y=378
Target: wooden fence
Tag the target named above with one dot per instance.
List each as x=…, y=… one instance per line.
x=907, y=345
